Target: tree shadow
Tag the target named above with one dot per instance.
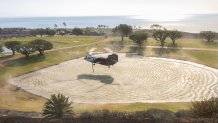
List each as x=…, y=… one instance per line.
x=106, y=79
x=173, y=46
x=25, y=61
x=163, y=51
x=137, y=50
x=6, y=57
x=210, y=44
x=117, y=46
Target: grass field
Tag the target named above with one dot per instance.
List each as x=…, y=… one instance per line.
x=192, y=43
x=23, y=101
x=131, y=107
x=59, y=41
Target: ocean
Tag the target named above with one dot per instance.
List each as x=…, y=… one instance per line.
x=192, y=23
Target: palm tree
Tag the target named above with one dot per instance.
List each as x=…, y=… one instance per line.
x=55, y=26
x=65, y=25
x=57, y=106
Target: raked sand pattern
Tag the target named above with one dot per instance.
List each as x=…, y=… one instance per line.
x=132, y=79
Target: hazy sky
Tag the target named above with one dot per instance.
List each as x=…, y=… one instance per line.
x=156, y=10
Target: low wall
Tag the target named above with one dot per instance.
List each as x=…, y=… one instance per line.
x=101, y=120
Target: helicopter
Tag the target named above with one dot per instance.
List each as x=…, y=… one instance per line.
x=97, y=58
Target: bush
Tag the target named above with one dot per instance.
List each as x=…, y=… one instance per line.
x=139, y=38
x=205, y=108
x=77, y=31
x=183, y=113
x=150, y=113
x=57, y=106
x=159, y=114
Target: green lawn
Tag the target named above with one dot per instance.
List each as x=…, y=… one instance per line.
x=132, y=107
x=60, y=41
x=23, y=101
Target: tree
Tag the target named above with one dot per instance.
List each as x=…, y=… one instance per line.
x=41, y=45
x=102, y=29
x=33, y=32
x=26, y=49
x=62, y=33
x=139, y=38
x=12, y=45
x=55, y=26
x=174, y=35
x=160, y=35
x=208, y=35
x=50, y=32
x=156, y=27
x=65, y=25
x=1, y=49
x=41, y=32
x=123, y=30
x=77, y=31
x=57, y=106
x=90, y=31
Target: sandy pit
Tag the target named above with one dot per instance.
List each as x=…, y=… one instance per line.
x=132, y=79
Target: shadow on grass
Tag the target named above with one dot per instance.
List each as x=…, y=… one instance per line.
x=163, y=51
x=137, y=50
x=105, y=79
x=6, y=57
x=173, y=46
x=117, y=46
x=210, y=44
x=25, y=61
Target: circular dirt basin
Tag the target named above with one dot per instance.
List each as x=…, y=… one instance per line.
x=132, y=79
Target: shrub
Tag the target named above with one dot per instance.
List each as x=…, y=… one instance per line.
x=77, y=31
x=183, y=113
x=159, y=114
x=139, y=38
x=205, y=108
x=57, y=106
